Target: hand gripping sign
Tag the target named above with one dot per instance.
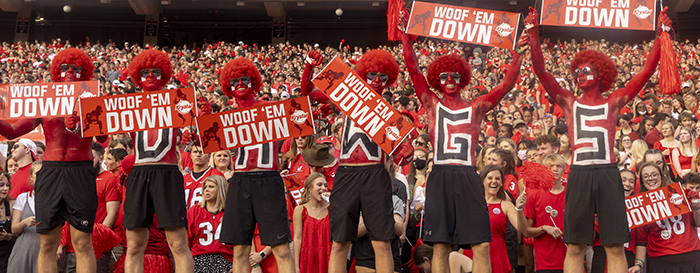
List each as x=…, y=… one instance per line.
x=258, y=124
x=656, y=205
x=464, y=24
x=42, y=100
x=614, y=14
x=137, y=112
x=363, y=105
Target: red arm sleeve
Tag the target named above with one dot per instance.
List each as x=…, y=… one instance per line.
x=308, y=88
x=561, y=96
x=423, y=92
x=19, y=128
x=624, y=95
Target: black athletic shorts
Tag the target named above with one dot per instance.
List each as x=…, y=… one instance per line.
x=256, y=197
x=155, y=189
x=65, y=191
x=361, y=188
x=591, y=190
x=455, y=207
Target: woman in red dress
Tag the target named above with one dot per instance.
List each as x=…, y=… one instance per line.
x=312, y=239
x=668, y=143
x=500, y=213
x=683, y=154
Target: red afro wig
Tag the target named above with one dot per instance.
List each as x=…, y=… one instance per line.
x=148, y=59
x=238, y=68
x=378, y=60
x=604, y=67
x=72, y=56
x=449, y=63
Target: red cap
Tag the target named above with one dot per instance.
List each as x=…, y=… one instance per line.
x=636, y=120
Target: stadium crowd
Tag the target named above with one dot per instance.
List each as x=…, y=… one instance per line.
x=656, y=144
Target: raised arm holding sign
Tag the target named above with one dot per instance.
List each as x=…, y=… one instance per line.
x=155, y=184
x=65, y=187
x=361, y=177
x=454, y=129
x=256, y=191
x=592, y=120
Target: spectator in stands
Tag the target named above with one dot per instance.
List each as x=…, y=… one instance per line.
x=668, y=143
x=682, y=156
x=24, y=153
x=26, y=248
x=655, y=134
x=200, y=171
x=547, y=145
x=6, y=203
x=671, y=244
x=423, y=255
x=12, y=165
x=204, y=224
x=543, y=218
x=222, y=161
x=113, y=159
x=312, y=242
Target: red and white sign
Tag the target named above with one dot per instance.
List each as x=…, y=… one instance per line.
x=464, y=24
x=651, y=206
x=614, y=14
x=137, y=112
x=370, y=112
x=258, y=124
x=40, y=100
x=295, y=187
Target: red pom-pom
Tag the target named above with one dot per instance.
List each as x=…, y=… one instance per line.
x=103, y=238
x=537, y=176
x=151, y=264
x=128, y=163
x=393, y=14
x=669, y=76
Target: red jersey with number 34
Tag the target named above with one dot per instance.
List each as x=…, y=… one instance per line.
x=592, y=132
x=671, y=236
x=203, y=232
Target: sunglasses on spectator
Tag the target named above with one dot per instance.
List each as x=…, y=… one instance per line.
x=585, y=71
x=420, y=143
x=455, y=76
x=76, y=68
x=155, y=71
x=382, y=76
x=499, y=116
x=244, y=80
x=537, y=127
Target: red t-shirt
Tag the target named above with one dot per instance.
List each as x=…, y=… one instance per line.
x=203, y=232
x=682, y=236
x=107, y=190
x=193, y=186
x=511, y=185
x=543, y=207
x=20, y=181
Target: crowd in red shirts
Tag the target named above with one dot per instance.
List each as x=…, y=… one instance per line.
x=656, y=139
